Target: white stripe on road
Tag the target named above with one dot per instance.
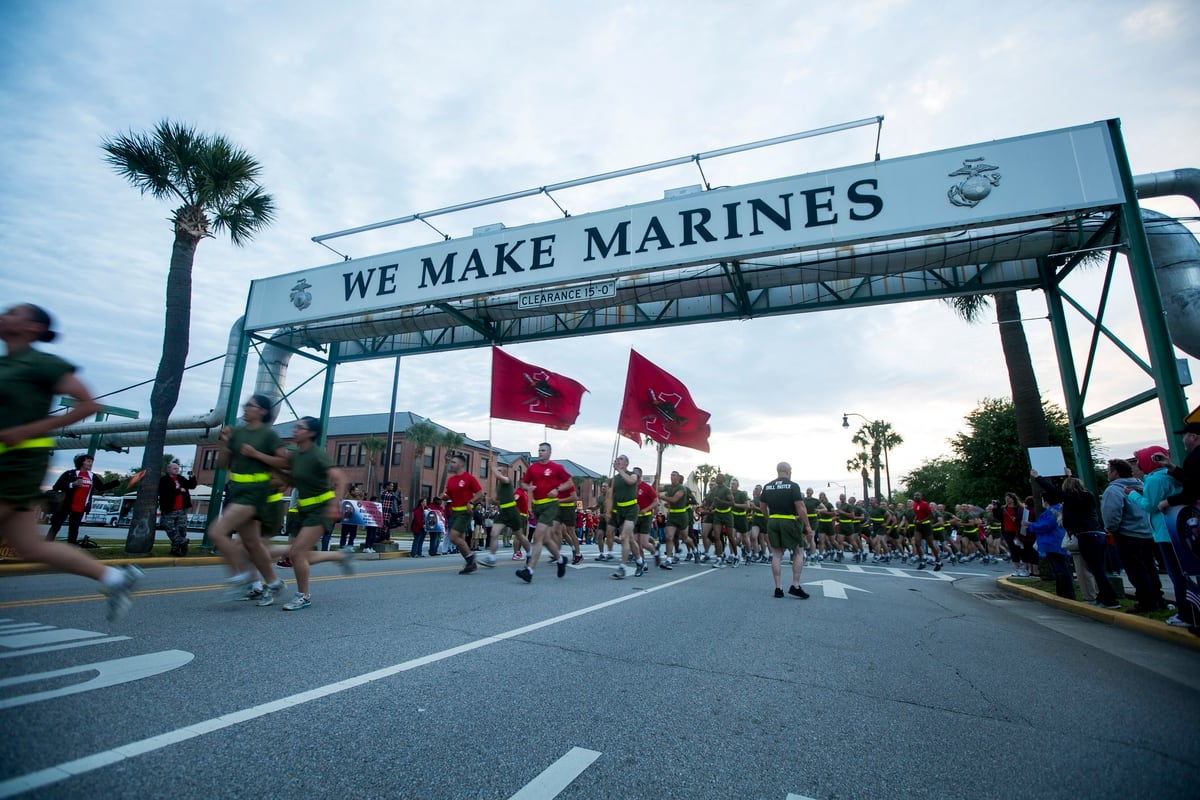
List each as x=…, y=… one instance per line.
x=558, y=775
x=67, y=646
x=798, y=797
x=79, y=766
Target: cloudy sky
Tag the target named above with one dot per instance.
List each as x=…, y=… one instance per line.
x=365, y=111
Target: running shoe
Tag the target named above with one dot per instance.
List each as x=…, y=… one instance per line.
x=575, y=559
x=347, y=562
x=1176, y=622
x=284, y=562
x=518, y=556
x=937, y=567
x=561, y=565
x=524, y=574
x=599, y=557
x=120, y=598
x=298, y=602
x=779, y=592
x=488, y=560
x=796, y=591
x=269, y=593
x=239, y=589
x=619, y=572
x=921, y=564
x=640, y=571
x=469, y=568
x=665, y=564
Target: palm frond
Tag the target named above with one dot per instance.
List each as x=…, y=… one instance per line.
x=969, y=306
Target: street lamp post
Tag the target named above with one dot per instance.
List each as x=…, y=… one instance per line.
x=874, y=426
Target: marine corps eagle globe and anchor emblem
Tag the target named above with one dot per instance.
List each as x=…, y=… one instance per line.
x=301, y=297
x=977, y=183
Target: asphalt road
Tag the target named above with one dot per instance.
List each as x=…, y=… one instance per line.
x=409, y=680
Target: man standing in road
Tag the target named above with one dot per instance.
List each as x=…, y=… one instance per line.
x=782, y=503
x=545, y=480
x=462, y=489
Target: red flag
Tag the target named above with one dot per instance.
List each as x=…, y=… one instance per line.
x=658, y=405
x=528, y=393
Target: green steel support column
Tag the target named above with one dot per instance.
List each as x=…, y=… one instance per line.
x=335, y=349
x=231, y=416
x=1145, y=288
x=1084, y=463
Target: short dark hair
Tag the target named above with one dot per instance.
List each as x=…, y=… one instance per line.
x=1121, y=467
x=313, y=424
x=82, y=457
x=265, y=403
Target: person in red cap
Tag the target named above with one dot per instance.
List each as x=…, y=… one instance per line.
x=1157, y=486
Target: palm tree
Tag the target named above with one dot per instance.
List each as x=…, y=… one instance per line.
x=879, y=437
x=1032, y=430
x=704, y=475
x=859, y=464
x=421, y=434
x=216, y=186
x=372, y=446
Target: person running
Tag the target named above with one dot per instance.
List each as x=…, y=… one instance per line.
x=741, y=521
x=782, y=503
x=29, y=381
x=719, y=517
x=249, y=452
x=462, y=490
x=647, y=499
x=604, y=530
x=318, y=484
x=675, y=495
x=625, y=513
x=545, y=480
x=923, y=514
x=511, y=517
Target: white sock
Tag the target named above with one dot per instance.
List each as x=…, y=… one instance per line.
x=112, y=577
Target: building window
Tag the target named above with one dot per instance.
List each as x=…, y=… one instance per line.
x=483, y=468
x=427, y=460
x=396, y=447
x=426, y=491
x=208, y=459
x=342, y=454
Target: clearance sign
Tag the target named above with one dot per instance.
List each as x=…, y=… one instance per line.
x=1042, y=174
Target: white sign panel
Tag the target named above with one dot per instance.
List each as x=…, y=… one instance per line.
x=1029, y=176
x=567, y=294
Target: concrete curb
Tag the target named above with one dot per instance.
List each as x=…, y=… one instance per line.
x=31, y=568
x=1121, y=619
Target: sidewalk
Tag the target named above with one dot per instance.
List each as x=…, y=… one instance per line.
x=1120, y=619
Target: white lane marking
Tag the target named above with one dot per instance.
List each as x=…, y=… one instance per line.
x=69, y=645
x=67, y=769
x=556, y=777
x=798, y=797
x=108, y=673
x=48, y=636
x=836, y=589
x=22, y=627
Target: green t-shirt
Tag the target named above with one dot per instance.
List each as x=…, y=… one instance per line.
x=719, y=498
x=505, y=492
x=310, y=471
x=623, y=492
x=263, y=439
x=27, y=381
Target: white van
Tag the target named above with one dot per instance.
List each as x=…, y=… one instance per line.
x=106, y=511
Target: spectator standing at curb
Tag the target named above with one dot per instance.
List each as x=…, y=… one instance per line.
x=174, y=500
x=1188, y=474
x=1049, y=532
x=1080, y=520
x=417, y=526
x=1157, y=486
x=78, y=486
x=1129, y=526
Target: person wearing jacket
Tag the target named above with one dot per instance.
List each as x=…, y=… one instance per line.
x=1079, y=519
x=1129, y=526
x=1157, y=486
x=1049, y=532
x=78, y=486
x=174, y=500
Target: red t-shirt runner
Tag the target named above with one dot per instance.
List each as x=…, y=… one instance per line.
x=547, y=476
x=460, y=489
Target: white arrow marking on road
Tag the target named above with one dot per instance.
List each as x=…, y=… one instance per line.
x=798, y=797
x=558, y=775
x=110, y=673
x=836, y=589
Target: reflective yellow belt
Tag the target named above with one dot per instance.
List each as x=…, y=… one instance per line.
x=544, y=500
x=249, y=477
x=304, y=502
x=783, y=516
x=458, y=508
x=677, y=510
x=568, y=502
x=624, y=503
x=878, y=519
x=508, y=505
x=646, y=513
x=812, y=516
x=739, y=513
x=275, y=498
x=826, y=519
x=43, y=443
x=724, y=510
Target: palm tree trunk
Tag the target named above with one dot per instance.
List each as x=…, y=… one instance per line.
x=164, y=395
x=1032, y=430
